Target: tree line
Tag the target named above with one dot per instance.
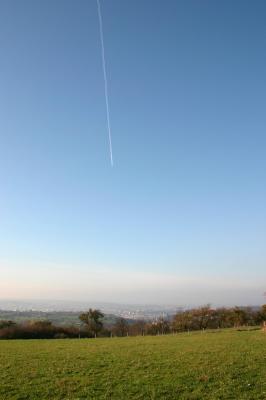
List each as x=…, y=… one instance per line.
x=91, y=324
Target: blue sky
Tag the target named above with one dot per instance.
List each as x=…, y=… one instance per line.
x=183, y=210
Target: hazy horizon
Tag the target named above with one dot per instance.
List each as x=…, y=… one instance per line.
x=181, y=216
x=104, y=285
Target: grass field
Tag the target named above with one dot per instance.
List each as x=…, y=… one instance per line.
x=223, y=365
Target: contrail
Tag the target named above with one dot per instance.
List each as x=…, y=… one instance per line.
x=105, y=81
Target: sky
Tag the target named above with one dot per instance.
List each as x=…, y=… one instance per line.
x=180, y=218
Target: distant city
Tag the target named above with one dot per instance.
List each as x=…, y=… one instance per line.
x=128, y=311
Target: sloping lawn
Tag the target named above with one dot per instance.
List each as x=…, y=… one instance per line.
x=222, y=365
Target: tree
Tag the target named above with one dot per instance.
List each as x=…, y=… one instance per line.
x=182, y=321
x=202, y=316
x=92, y=320
x=159, y=327
x=138, y=328
x=120, y=327
x=263, y=312
x=6, y=324
x=261, y=317
x=239, y=316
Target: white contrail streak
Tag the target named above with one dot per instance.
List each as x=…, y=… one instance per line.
x=105, y=81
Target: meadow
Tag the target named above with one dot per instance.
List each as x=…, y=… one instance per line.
x=226, y=364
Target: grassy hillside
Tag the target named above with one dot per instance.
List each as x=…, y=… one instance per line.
x=223, y=365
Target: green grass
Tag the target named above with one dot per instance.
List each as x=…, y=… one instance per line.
x=222, y=365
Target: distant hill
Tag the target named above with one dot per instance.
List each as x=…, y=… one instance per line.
x=56, y=317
